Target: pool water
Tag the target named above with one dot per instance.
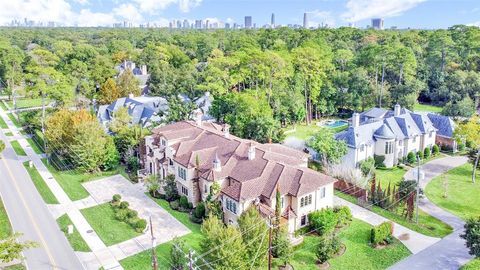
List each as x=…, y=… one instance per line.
x=337, y=123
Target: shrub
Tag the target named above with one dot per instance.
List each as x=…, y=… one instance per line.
x=420, y=154
x=382, y=233
x=323, y=221
x=427, y=152
x=344, y=215
x=184, y=202
x=121, y=214
x=174, y=205
x=472, y=236
x=132, y=221
x=132, y=213
x=194, y=219
x=324, y=249
x=411, y=157
x=379, y=161
x=461, y=147
x=435, y=150
x=335, y=244
x=140, y=225
x=199, y=211
x=124, y=205
x=190, y=205
x=367, y=166
x=468, y=144
x=116, y=198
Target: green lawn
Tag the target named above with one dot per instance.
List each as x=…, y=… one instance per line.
x=358, y=255
x=2, y=105
x=5, y=228
x=2, y=123
x=34, y=146
x=418, y=107
x=462, y=195
x=390, y=175
x=40, y=184
x=14, y=120
x=15, y=267
x=9, y=134
x=427, y=224
x=27, y=103
x=75, y=239
x=304, y=132
x=17, y=148
x=71, y=180
x=472, y=265
x=143, y=260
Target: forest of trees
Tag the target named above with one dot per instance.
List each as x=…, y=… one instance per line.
x=260, y=79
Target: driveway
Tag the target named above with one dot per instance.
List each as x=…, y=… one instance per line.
x=450, y=252
x=165, y=226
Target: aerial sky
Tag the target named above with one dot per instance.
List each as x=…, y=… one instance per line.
x=401, y=13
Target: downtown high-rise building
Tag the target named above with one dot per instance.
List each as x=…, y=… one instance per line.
x=305, y=20
x=272, y=20
x=186, y=24
x=377, y=23
x=198, y=24
x=248, y=22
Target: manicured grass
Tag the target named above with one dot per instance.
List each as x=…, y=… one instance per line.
x=10, y=134
x=17, y=148
x=34, y=146
x=462, y=195
x=14, y=120
x=302, y=131
x=3, y=124
x=391, y=175
x=109, y=229
x=5, y=228
x=427, y=224
x=15, y=267
x=75, y=239
x=27, y=103
x=71, y=180
x=40, y=184
x=143, y=260
x=2, y=105
x=358, y=255
x=426, y=108
x=472, y=265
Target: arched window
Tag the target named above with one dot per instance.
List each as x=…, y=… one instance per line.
x=302, y=202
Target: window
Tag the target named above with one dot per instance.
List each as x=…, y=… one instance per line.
x=307, y=200
x=302, y=202
x=185, y=191
x=303, y=220
x=205, y=190
x=414, y=138
x=164, y=143
x=182, y=173
x=362, y=147
x=282, y=201
x=388, y=148
x=151, y=168
x=231, y=205
x=170, y=161
x=322, y=192
x=431, y=134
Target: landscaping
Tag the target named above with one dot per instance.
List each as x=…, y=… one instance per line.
x=304, y=132
x=359, y=254
x=3, y=124
x=75, y=239
x=9, y=134
x=27, y=103
x=5, y=228
x=419, y=107
x=40, y=184
x=390, y=175
x=462, y=197
x=2, y=105
x=18, y=148
x=36, y=148
x=125, y=214
x=14, y=120
x=472, y=265
x=107, y=226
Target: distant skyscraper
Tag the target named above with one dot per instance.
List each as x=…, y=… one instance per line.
x=198, y=24
x=227, y=26
x=248, y=22
x=272, y=21
x=207, y=24
x=305, y=20
x=186, y=24
x=377, y=23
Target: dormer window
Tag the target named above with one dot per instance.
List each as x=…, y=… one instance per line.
x=163, y=142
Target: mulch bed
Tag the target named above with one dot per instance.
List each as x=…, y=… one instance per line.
x=324, y=265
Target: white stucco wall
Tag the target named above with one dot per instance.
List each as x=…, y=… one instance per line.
x=317, y=203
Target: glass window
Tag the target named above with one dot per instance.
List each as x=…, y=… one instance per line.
x=388, y=148
x=309, y=199
x=362, y=147
x=322, y=192
x=182, y=173
x=302, y=202
x=282, y=201
x=303, y=220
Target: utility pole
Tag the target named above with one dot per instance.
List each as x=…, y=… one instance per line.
x=269, y=243
x=154, y=254
x=190, y=260
x=418, y=187
x=43, y=126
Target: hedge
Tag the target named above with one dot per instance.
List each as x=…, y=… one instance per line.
x=382, y=233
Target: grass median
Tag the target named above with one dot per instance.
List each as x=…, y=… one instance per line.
x=40, y=184
x=76, y=240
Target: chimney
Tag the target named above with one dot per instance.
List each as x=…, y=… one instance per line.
x=144, y=69
x=217, y=165
x=226, y=130
x=396, y=110
x=198, y=118
x=251, y=152
x=355, y=119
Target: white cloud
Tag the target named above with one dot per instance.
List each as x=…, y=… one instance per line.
x=89, y=18
x=186, y=5
x=358, y=10
x=82, y=2
x=128, y=12
x=153, y=6
x=477, y=24
x=318, y=17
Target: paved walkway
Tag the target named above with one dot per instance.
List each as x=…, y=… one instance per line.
x=450, y=252
x=414, y=241
x=103, y=255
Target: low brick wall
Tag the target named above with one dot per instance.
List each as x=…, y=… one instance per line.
x=350, y=189
x=444, y=143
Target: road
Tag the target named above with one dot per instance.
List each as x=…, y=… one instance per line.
x=29, y=215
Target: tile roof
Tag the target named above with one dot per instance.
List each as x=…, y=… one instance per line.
x=274, y=165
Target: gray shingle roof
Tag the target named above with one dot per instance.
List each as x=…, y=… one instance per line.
x=444, y=124
x=384, y=132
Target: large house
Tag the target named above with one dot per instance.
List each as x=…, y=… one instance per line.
x=200, y=154
x=393, y=134
x=140, y=73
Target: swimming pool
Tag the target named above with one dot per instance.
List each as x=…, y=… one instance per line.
x=335, y=123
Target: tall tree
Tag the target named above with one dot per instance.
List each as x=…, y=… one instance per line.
x=254, y=231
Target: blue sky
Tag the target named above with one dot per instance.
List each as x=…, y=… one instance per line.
x=400, y=13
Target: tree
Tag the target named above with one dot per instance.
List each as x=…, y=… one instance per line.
x=254, y=232
x=324, y=250
x=472, y=236
x=152, y=185
x=329, y=149
x=11, y=248
x=127, y=84
x=280, y=243
x=109, y=92
x=178, y=253
x=170, y=188
x=462, y=108
x=470, y=131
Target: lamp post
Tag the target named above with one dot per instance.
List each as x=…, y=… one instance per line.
x=419, y=176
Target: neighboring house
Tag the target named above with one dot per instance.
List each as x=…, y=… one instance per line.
x=200, y=154
x=392, y=134
x=140, y=74
x=203, y=104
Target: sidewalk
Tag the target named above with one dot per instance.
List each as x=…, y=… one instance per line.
x=104, y=257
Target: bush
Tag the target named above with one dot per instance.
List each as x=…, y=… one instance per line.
x=335, y=244
x=194, y=219
x=121, y=214
x=190, y=205
x=199, y=211
x=344, y=215
x=116, y=198
x=324, y=249
x=124, y=205
x=367, y=166
x=420, y=154
x=382, y=233
x=184, y=202
x=461, y=147
x=140, y=225
x=411, y=158
x=379, y=161
x=426, y=152
x=323, y=221
x=132, y=213
x=468, y=144
x=174, y=205
x=435, y=150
